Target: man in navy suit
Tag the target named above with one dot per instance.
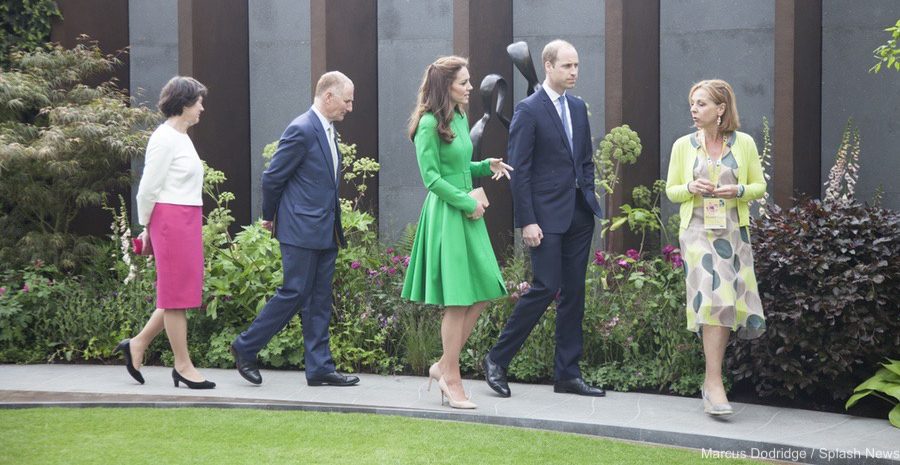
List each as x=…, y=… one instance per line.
x=300, y=189
x=554, y=204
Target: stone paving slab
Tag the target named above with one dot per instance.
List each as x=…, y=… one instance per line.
x=754, y=431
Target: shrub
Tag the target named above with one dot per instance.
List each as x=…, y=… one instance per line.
x=24, y=25
x=64, y=146
x=829, y=276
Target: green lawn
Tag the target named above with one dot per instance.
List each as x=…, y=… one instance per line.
x=49, y=436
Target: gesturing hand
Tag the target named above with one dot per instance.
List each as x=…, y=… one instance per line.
x=499, y=168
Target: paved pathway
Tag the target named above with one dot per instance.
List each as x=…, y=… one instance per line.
x=754, y=431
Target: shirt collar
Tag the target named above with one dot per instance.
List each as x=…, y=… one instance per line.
x=551, y=93
x=322, y=119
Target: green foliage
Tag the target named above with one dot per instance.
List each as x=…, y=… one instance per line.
x=25, y=25
x=63, y=146
x=884, y=381
x=621, y=146
x=888, y=54
x=829, y=279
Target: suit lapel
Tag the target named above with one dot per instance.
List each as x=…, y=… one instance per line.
x=322, y=137
x=554, y=116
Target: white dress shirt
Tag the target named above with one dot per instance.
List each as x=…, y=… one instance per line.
x=554, y=97
x=173, y=172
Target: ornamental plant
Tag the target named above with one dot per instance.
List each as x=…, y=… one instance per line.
x=829, y=279
x=64, y=146
x=888, y=54
x=885, y=381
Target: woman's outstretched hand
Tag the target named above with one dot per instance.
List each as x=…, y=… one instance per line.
x=499, y=168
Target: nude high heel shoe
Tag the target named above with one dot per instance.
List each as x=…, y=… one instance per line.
x=445, y=392
x=716, y=410
x=434, y=374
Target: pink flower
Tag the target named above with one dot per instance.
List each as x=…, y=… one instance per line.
x=2, y=291
x=392, y=271
x=406, y=260
x=677, y=261
x=371, y=272
x=25, y=288
x=396, y=259
x=669, y=248
x=623, y=263
x=355, y=264
x=632, y=254
x=599, y=258
x=390, y=250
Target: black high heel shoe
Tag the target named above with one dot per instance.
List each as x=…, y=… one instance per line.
x=125, y=348
x=176, y=377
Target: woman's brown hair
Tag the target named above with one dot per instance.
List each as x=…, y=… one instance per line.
x=434, y=96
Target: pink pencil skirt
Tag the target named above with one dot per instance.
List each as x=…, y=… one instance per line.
x=177, y=241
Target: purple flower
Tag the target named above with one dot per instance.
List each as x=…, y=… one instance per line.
x=632, y=254
x=406, y=260
x=392, y=271
x=599, y=258
x=624, y=263
x=354, y=264
x=396, y=259
x=371, y=272
x=25, y=288
x=677, y=261
x=390, y=250
x=668, y=249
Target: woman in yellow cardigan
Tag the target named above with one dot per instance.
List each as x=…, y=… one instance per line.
x=714, y=173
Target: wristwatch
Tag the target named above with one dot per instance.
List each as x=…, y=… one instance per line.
x=740, y=192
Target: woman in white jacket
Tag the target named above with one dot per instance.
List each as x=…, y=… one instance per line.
x=170, y=206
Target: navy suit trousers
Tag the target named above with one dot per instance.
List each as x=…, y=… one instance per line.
x=559, y=264
x=307, y=285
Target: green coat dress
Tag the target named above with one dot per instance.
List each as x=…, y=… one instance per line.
x=452, y=262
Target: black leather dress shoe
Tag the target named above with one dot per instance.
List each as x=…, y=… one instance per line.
x=333, y=379
x=495, y=375
x=249, y=369
x=578, y=386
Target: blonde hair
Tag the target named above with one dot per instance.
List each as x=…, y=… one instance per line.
x=551, y=50
x=721, y=92
x=434, y=96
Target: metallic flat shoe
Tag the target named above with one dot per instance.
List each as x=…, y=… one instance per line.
x=716, y=410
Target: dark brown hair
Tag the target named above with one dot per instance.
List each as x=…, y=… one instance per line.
x=180, y=92
x=434, y=96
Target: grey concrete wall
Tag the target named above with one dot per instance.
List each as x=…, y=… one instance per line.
x=410, y=36
x=850, y=31
x=705, y=39
x=153, y=33
x=581, y=22
x=279, y=77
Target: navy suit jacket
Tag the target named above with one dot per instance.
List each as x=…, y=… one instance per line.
x=299, y=188
x=548, y=175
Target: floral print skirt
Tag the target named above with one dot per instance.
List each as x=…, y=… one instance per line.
x=721, y=284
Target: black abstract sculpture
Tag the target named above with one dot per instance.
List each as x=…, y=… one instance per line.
x=494, y=84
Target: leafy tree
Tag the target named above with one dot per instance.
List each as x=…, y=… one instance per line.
x=888, y=54
x=64, y=146
x=25, y=25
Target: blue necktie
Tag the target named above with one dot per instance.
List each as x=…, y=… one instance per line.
x=565, y=121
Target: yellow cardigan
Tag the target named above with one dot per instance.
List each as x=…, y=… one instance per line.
x=681, y=171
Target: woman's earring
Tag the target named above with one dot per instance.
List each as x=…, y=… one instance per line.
x=719, y=121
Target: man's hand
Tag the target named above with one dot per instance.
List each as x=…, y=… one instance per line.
x=267, y=225
x=532, y=235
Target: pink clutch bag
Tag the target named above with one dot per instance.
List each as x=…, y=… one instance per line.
x=139, y=248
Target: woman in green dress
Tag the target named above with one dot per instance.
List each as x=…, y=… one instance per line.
x=452, y=263
x=714, y=173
